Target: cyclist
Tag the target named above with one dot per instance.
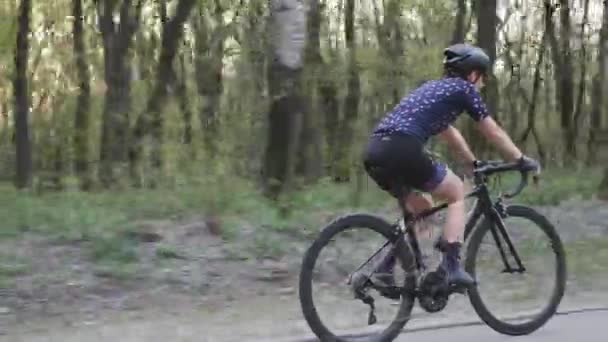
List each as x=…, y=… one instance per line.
x=396, y=160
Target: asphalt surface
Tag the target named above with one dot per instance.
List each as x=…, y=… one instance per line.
x=584, y=326
x=574, y=327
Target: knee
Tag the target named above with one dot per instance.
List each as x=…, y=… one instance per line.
x=418, y=202
x=457, y=192
x=451, y=189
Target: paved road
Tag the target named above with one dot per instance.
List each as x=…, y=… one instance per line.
x=574, y=327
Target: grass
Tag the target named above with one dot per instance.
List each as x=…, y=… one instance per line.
x=100, y=219
x=113, y=249
x=168, y=252
x=116, y=270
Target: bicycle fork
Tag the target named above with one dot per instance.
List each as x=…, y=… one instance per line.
x=497, y=214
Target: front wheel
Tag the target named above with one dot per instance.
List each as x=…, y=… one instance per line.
x=327, y=271
x=527, y=230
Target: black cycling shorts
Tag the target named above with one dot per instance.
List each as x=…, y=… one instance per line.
x=398, y=163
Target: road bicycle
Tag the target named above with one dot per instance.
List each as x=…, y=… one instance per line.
x=427, y=286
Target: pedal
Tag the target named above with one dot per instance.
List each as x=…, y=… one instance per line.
x=458, y=289
x=390, y=292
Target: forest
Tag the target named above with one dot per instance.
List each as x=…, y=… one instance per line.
x=115, y=95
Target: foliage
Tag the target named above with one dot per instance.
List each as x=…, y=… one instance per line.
x=102, y=219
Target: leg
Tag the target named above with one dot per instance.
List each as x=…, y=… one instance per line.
x=414, y=202
x=451, y=189
x=417, y=202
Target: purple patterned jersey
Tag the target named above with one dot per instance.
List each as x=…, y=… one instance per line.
x=432, y=107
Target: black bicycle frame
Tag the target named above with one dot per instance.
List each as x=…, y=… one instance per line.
x=494, y=211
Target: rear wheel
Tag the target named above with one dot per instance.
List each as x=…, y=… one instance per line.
x=552, y=271
x=323, y=271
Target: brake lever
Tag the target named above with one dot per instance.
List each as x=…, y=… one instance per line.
x=520, y=187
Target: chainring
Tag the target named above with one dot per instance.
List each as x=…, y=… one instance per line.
x=433, y=295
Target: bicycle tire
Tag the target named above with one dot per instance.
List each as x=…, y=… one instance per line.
x=403, y=253
x=476, y=301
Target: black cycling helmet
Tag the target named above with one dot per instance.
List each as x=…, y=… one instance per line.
x=464, y=58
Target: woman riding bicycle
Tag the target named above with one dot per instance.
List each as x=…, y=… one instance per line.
x=395, y=158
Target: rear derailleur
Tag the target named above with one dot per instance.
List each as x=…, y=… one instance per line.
x=361, y=285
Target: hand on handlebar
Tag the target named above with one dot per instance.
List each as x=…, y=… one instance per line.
x=528, y=164
x=524, y=165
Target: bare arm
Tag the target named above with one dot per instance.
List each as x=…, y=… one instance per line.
x=457, y=144
x=490, y=129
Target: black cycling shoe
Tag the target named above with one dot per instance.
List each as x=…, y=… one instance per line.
x=455, y=273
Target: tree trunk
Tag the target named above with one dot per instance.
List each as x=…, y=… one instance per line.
x=310, y=161
x=566, y=80
x=182, y=94
x=81, y=115
x=151, y=119
x=459, y=33
x=583, y=76
x=531, y=128
x=58, y=169
x=254, y=100
x=209, y=64
x=288, y=36
x=556, y=69
x=392, y=45
x=603, y=187
x=516, y=77
x=555, y=50
x=549, y=100
x=514, y=86
x=23, y=177
x=486, y=37
x=351, y=102
x=397, y=50
x=598, y=101
x=117, y=38
x=256, y=43
x=330, y=108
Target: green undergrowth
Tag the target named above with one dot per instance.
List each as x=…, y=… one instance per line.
x=100, y=219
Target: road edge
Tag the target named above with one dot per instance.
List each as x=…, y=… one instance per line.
x=472, y=322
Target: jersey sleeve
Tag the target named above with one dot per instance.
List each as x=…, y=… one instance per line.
x=474, y=104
